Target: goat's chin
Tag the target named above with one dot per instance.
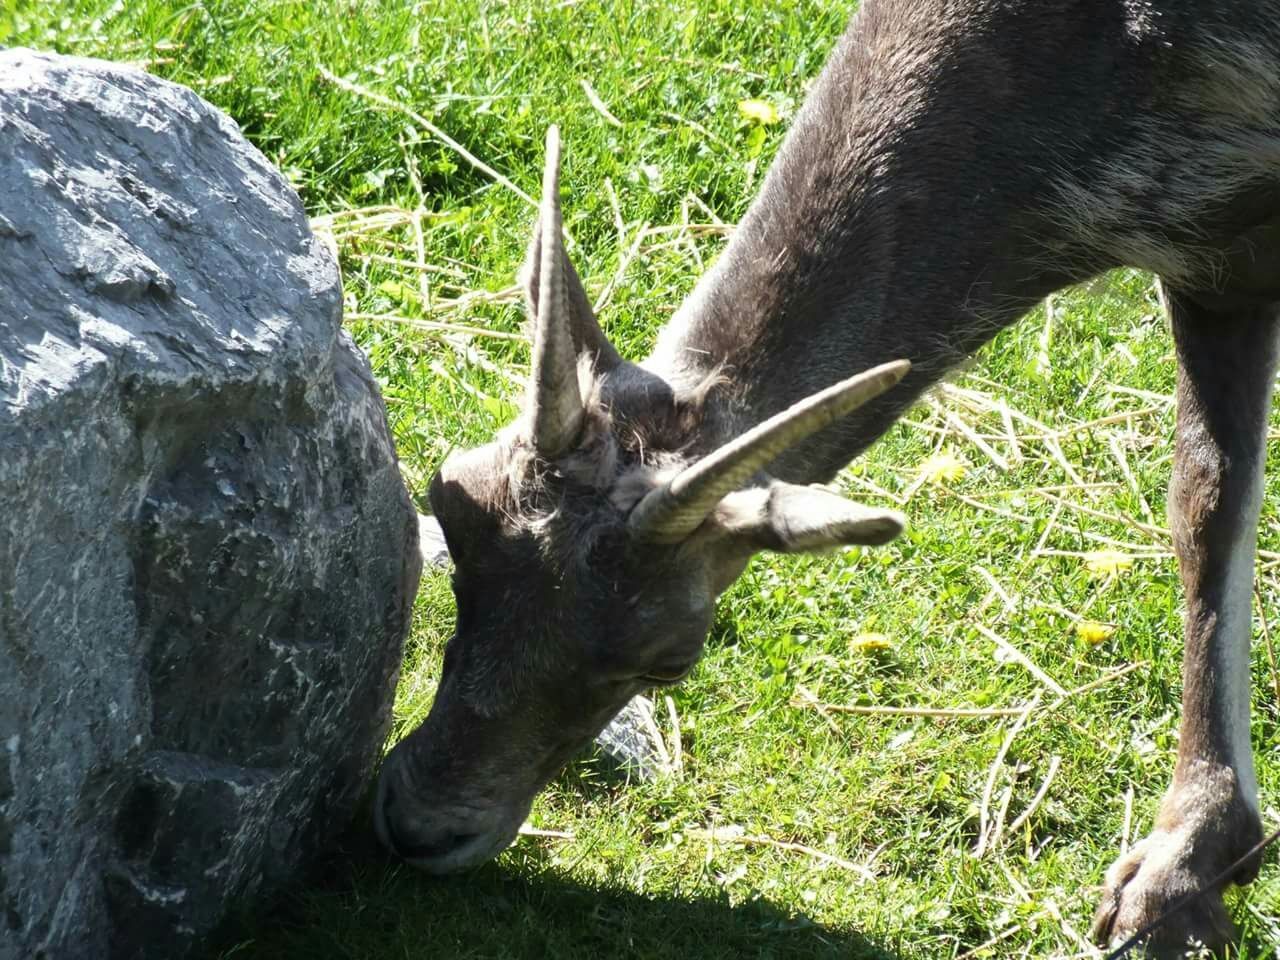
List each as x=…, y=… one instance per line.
x=477, y=839
x=473, y=854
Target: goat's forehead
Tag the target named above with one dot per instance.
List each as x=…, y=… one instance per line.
x=477, y=475
x=470, y=493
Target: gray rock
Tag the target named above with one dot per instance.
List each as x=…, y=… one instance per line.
x=435, y=552
x=633, y=742
x=207, y=555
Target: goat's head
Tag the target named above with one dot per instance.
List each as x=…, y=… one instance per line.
x=589, y=543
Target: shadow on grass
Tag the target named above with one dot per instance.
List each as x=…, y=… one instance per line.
x=361, y=904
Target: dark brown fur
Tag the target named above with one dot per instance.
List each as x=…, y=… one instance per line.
x=956, y=161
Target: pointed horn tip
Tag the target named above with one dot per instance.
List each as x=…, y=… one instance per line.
x=551, y=172
x=897, y=368
x=870, y=383
x=552, y=148
x=881, y=378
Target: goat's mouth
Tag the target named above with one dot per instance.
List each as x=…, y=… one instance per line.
x=446, y=851
x=460, y=852
x=441, y=842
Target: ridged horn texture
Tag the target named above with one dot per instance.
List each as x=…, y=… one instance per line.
x=555, y=408
x=672, y=512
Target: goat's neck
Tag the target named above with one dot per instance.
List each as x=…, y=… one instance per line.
x=857, y=251
x=911, y=213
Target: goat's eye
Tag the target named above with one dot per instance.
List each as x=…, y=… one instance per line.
x=663, y=675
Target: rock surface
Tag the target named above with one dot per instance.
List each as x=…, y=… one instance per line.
x=207, y=556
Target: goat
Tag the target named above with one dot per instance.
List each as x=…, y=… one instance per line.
x=954, y=163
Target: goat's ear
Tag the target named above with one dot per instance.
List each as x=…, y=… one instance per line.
x=788, y=518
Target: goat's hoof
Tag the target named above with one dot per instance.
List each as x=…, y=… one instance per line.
x=1146, y=882
x=1198, y=834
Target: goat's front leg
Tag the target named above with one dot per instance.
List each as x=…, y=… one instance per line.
x=1210, y=815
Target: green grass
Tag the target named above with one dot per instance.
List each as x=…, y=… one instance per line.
x=990, y=549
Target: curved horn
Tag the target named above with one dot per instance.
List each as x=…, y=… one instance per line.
x=672, y=512
x=554, y=399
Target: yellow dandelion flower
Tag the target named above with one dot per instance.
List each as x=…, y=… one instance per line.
x=759, y=111
x=943, y=468
x=1093, y=633
x=1105, y=563
x=870, y=643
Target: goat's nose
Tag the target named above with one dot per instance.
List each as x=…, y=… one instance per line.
x=417, y=844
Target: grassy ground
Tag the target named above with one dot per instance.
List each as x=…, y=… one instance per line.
x=1052, y=447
